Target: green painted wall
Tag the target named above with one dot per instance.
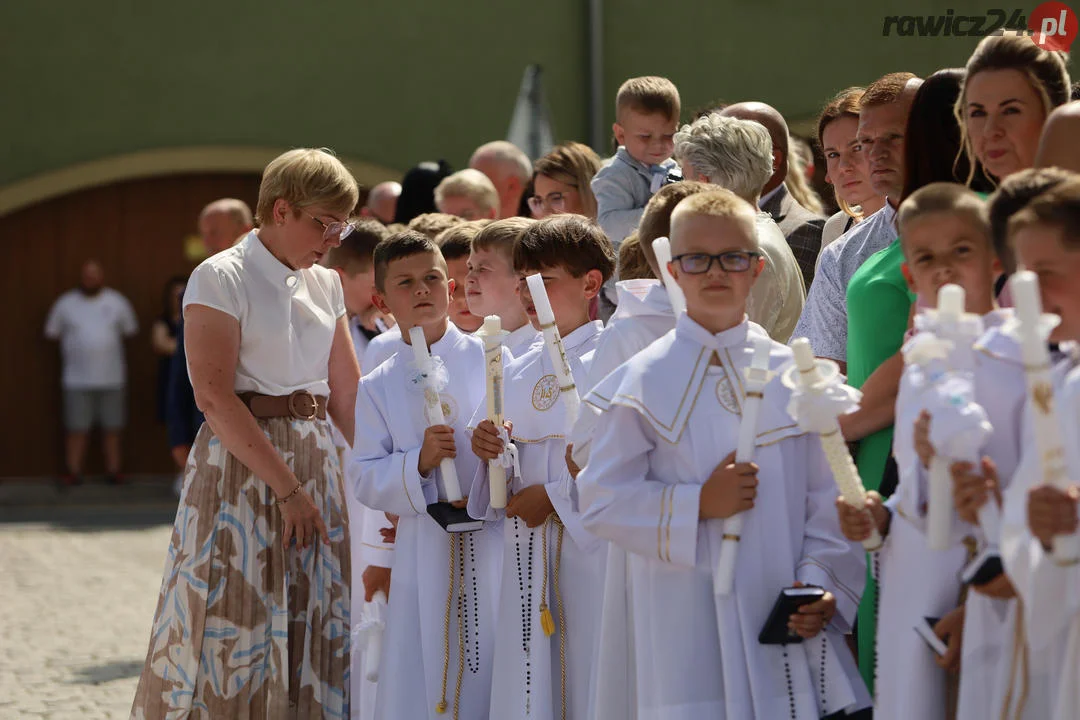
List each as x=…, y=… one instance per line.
x=396, y=82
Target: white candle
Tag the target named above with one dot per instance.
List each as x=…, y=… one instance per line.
x=950, y=308
x=808, y=380
x=567, y=389
x=492, y=334
x=939, y=510
x=757, y=377
x=1033, y=334
x=662, y=249
x=538, y=291
x=950, y=304
x=433, y=408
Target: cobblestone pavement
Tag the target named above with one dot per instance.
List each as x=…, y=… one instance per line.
x=76, y=602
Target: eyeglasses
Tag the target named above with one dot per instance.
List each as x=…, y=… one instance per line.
x=339, y=230
x=733, y=261
x=551, y=203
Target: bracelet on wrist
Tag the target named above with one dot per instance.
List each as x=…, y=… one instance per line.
x=287, y=498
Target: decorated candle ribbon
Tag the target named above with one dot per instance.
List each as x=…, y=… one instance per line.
x=943, y=352
x=509, y=457
x=958, y=431
x=429, y=376
x=818, y=398
x=440, y=376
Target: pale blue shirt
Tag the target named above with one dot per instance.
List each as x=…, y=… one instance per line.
x=824, y=317
x=622, y=189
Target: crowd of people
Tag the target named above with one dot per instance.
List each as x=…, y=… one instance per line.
x=475, y=448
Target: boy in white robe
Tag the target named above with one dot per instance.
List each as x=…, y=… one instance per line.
x=491, y=285
x=437, y=646
x=643, y=314
x=1021, y=689
x=353, y=262
x=1046, y=239
x=945, y=238
x=661, y=475
x=553, y=569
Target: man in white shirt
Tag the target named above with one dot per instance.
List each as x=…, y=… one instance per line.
x=91, y=323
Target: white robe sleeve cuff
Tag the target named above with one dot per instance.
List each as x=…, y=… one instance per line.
x=677, y=528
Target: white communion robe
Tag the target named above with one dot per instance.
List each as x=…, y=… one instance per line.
x=644, y=315
x=367, y=548
x=1049, y=593
x=917, y=582
x=668, y=418
x=990, y=630
x=383, y=470
x=529, y=666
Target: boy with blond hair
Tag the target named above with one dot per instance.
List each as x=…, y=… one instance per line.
x=646, y=117
x=455, y=243
x=491, y=285
x=945, y=237
x=662, y=469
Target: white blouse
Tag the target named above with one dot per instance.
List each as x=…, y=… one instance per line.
x=287, y=317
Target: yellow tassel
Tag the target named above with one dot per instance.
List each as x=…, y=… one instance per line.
x=441, y=707
x=546, y=621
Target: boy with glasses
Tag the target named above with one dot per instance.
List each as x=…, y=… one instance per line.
x=662, y=468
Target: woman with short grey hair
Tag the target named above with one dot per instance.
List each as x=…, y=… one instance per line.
x=737, y=155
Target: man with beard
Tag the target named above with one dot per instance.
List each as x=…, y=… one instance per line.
x=91, y=323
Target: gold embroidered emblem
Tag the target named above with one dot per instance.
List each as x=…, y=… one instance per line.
x=545, y=393
x=1042, y=395
x=449, y=409
x=726, y=395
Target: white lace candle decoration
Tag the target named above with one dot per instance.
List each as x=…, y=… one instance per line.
x=662, y=249
x=818, y=399
x=757, y=377
x=958, y=426
x=433, y=410
x=1032, y=328
x=492, y=334
x=553, y=342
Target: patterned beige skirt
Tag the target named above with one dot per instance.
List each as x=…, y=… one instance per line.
x=244, y=627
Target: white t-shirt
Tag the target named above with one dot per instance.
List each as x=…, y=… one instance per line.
x=287, y=317
x=91, y=331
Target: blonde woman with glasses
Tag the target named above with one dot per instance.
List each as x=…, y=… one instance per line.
x=253, y=615
x=561, y=182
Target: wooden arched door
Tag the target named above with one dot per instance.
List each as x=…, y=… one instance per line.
x=137, y=229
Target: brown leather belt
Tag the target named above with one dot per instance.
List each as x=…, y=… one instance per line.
x=302, y=405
